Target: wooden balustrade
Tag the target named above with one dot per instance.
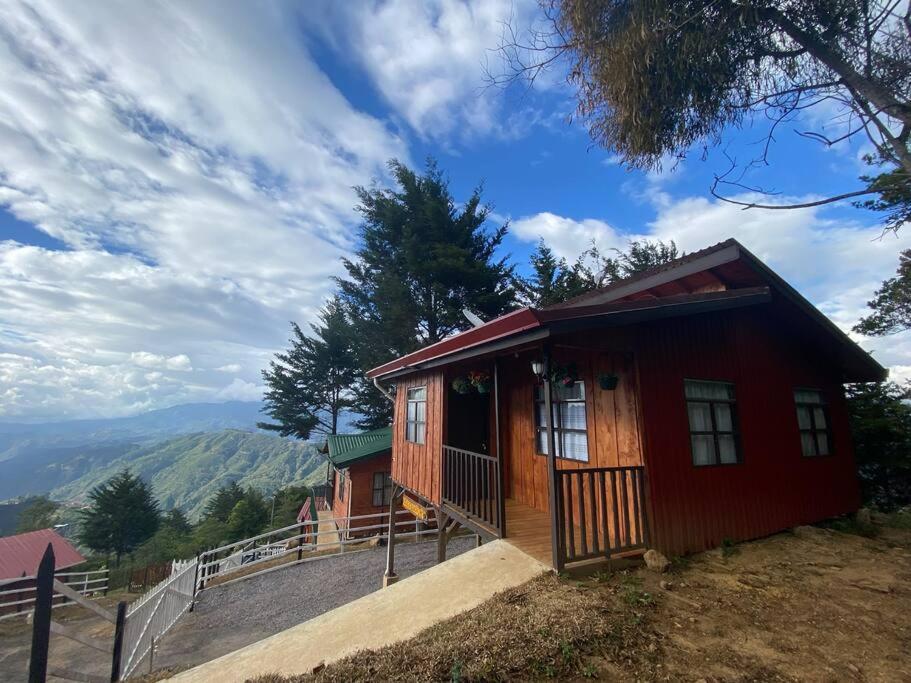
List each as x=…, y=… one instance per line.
x=472, y=485
x=602, y=511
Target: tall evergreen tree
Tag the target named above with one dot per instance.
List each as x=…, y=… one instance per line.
x=219, y=506
x=891, y=304
x=422, y=259
x=310, y=385
x=122, y=515
x=249, y=517
x=881, y=427
x=552, y=280
x=176, y=521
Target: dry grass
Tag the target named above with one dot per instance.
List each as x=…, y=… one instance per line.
x=813, y=605
x=547, y=628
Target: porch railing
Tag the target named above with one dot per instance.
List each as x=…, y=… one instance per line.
x=472, y=485
x=602, y=511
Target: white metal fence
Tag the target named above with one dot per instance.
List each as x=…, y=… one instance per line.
x=306, y=539
x=17, y=595
x=153, y=615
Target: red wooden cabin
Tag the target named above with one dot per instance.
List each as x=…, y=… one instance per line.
x=699, y=401
x=361, y=481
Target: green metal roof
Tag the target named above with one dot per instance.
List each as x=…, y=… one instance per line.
x=346, y=449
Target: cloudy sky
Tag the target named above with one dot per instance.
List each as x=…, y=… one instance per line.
x=176, y=184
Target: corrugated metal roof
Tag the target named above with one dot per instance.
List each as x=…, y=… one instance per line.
x=345, y=449
x=858, y=364
x=23, y=552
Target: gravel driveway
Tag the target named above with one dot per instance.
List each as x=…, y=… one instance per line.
x=229, y=617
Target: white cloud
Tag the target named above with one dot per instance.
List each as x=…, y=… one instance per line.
x=198, y=165
x=428, y=60
x=144, y=359
x=566, y=236
x=239, y=390
x=836, y=263
x=230, y=368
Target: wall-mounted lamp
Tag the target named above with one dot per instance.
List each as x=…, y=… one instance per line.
x=537, y=367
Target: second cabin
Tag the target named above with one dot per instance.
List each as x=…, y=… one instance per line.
x=696, y=402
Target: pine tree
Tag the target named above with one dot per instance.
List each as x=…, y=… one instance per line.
x=552, y=280
x=219, y=506
x=891, y=304
x=177, y=521
x=422, y=259
x=310, y=385
x=122, y=515
x=249, y=516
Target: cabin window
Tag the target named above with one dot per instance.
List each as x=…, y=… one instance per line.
x=340, y=482
x=416, y=415
x=382, y=488
x=813, y=421
x=570, y=432
x=714, y=433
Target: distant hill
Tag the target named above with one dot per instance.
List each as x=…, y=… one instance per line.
x=186, y=470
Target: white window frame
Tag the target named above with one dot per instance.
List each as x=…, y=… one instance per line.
x=559, y=429
x=415, y=424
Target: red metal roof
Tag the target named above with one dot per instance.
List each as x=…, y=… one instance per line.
x=23, y=552
x=518, y=321
x=607, y=300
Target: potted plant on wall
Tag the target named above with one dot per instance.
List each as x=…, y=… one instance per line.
x=565, y=375
x=608, y=381
x=461, y=385
x=481, y=380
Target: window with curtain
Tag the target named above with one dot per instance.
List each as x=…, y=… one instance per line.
x=341, y=485
x=416, y=414
x=382, y=489
x=714, y=433
x=570, y=431
x=813, y=421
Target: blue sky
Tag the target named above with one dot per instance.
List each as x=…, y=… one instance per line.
x=176, y=184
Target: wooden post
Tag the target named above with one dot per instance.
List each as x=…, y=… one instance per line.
x=390, y=577
x=552, y=482
x=195, y=584
x=41, y=624
x=117, y=653
x=300, y=542
x=442, y=536
x=501, y=468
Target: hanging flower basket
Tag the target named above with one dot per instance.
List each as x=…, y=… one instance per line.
x=461, y=385
x=480, y=380
x=565, y=375
x=608, y=381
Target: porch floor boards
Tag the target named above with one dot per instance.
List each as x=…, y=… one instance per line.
x=528, y=529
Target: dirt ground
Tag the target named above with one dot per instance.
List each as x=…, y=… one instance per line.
x=812, y=605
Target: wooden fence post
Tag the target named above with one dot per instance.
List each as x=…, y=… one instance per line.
x=195, y=583
x=41, y=625
x=118, y=641
x=300, y=541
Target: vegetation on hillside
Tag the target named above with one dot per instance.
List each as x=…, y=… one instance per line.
x=184, y=472
x=39, y=512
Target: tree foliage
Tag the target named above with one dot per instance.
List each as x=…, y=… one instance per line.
x=40, y=512
x=309, y=386
x=891, y=303
x=422, y=259
x=657, y=77
x=881, y=426
x=122, y=514
x=249, y=517
x=553, y=280
x=219, y=506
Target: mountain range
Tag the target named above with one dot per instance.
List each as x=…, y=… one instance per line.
x=185, y=452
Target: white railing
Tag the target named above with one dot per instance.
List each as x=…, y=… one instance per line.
x=20, y=599
x=153, y=615
x=305, y=539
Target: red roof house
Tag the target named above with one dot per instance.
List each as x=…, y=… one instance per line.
x=21, y=554
x=695, y=402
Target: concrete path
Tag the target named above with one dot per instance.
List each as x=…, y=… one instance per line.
x=379, y=619
x=327, y=530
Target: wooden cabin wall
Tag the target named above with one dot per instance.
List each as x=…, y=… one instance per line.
x=775, y=487
x=612, y=416
x=417, y=466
